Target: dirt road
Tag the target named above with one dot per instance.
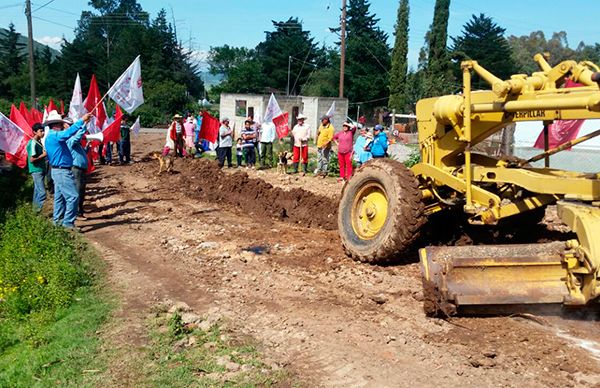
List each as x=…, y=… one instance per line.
x=269, y=260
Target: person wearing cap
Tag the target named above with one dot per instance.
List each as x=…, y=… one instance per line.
x=324, y=138
x=225, y=142
x=177, y=133
x=124, y=145
x=65, y=194
x=344, y=141
x=361, y=155
x=80, y=163
x=379, y=145
x=36, y=161
x=300, y=134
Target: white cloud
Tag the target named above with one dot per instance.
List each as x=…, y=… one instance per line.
x=199, y=57
x=52, y=41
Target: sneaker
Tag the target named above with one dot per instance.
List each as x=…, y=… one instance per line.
x=81, y=216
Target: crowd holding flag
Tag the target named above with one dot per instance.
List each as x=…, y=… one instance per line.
x=93, y=104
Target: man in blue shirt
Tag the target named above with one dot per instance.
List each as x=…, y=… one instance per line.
x=379, y=145
x=65, y=193
x=80, y=163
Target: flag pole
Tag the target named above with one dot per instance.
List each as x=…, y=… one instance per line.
x=113, y=85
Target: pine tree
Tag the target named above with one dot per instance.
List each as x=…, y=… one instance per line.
x=483, y=40
x=398, y=74
x=367, y=57
x=12, y=52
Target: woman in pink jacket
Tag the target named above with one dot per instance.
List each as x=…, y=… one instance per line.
x=344, y=141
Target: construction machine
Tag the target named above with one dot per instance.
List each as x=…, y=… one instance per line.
x=385, y=205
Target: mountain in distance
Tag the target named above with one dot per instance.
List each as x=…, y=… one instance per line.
x=37, y=46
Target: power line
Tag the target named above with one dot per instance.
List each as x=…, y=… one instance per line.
x=38, y=8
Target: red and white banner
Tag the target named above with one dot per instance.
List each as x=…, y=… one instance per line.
x=11, y=136
x=561, y=131
x=19, y=158
x=92, y=105
x=127, y=90
x=273, y=110
x=282, y=125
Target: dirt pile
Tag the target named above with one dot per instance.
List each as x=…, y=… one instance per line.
x=204, y=180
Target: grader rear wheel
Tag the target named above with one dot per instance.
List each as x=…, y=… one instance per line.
x=381, y=212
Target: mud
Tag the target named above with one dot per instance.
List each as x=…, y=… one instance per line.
x=204, y=180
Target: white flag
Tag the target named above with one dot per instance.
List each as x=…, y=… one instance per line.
x=272, y=110
x=135, y=128
x=11, y=136
x=127, y=90
x=76, y=108
x=331, y=111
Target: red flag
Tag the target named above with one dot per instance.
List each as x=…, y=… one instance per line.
x=19, y=158
x=561, y=131
x=210, y=127
x=281, y=125
x=25, y=113
x=36, y=115
x=62, y=107
x=112, y=133
x=90, y=159
x=92, y=103
x=51, y=106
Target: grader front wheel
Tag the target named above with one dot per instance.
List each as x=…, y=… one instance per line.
x=381, y=212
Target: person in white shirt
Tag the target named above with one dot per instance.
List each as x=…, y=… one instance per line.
x=225, y=142
x=300, y=133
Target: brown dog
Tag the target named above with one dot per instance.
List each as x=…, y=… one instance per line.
x=165, y=162
x=282, y=162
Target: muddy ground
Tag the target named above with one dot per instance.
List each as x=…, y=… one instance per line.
x=265, y=254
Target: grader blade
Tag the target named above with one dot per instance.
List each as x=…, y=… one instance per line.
x=457, y=278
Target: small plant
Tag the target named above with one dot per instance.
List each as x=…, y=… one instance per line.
x=413, y=158
x=176, y=327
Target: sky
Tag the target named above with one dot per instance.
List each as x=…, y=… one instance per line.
x=201, y=24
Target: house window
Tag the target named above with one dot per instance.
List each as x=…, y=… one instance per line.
x=240, y=108
x=251, y=112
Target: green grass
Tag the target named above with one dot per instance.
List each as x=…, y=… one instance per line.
x=196, y=365
x=60, y=352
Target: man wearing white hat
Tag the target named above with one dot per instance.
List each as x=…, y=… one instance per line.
x=300, y=133
x=66, y=197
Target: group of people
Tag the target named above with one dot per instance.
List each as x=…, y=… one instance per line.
x=255, y=138
x=183, y=136
x=57, y=153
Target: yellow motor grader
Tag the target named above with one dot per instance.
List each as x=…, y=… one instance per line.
x=385, y=205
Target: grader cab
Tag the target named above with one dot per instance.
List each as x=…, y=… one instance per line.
x=385, y=206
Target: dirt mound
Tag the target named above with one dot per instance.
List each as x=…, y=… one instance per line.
x=256, y=196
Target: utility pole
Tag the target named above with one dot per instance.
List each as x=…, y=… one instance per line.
x=343, y=48
x=288, y=83
x=30, y=47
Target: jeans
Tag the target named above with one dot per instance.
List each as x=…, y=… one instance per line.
x=250, y=156
x=109, y=149
x=39, y=190
x=222, y=153
x=180, y=146
x=124, y=147
x=66, y=198
x=79, y=179
x=323, y=160
x=266, y=154
x=239, y=159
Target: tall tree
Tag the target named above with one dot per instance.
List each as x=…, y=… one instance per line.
x=367, y=57
x=398, y=99
x=438, y=78
x=287, y=40
x=483, y=40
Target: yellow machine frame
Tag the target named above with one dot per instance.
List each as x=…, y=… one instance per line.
x=450, y=126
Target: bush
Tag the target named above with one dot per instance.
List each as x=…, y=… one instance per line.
x=40, y=265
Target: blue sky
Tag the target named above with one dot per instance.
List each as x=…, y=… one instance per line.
x=243, y=23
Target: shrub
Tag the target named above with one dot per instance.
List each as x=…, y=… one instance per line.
x=40, y=265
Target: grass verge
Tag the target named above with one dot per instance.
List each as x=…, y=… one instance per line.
x=184, y=356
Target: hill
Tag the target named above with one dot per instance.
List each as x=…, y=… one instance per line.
x=37, y=46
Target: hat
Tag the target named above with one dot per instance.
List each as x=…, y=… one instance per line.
x=347, y=124
x=378, y=127
x=177, y=116
x=224, y=119
x=53, y=118
x=68, y=120
x=325, y=117
x=301, y=117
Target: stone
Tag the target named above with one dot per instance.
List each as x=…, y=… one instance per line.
x=192, y=341
x=208, y=245
x=379, y=298
x=189, y=317
x=179, y=307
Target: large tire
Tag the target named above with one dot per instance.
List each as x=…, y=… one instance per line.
x=402, y=209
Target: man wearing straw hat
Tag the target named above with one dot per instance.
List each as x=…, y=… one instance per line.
x=300, y=133
x=66, y=197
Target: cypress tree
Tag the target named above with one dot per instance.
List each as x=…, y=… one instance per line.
x=398, y=79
